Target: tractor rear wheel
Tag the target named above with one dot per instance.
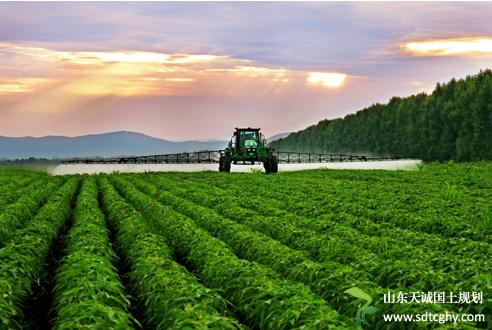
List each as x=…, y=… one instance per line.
x=274, y=164
x=227, y=164
x=266, y=165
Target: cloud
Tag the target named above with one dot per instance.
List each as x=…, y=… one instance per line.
x=22, y=85
x=183, y=70
x=326, y=79
x=137, y=73
x=450, y=47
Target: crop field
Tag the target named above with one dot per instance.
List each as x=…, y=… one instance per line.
x=313, y=249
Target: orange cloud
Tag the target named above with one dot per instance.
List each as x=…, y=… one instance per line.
x=326, y=79
x=127, y=73
x=60, y=82
x=22, y=84
x=134, y=73
x=449, y=47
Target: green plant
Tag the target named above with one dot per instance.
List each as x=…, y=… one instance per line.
x=16, y=215
x=88, y=291
x=23, y=257
x=384, y=245
x=319, y=276
x=304, y=238
x=255, y=170
x=487, y=219
x=172, y=297
x=251, y=287
x=451, y=193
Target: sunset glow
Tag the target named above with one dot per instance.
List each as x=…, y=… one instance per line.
x=450, y=47
x=131, y=73
x=98, y=57
x=12, y=88
x=23, y=84
x=132, y=57
x=192, y=70
x=326, y=79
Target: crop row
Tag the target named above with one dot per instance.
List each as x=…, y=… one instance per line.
x=327, y=279
x=261, y=298
x=16, y=215
x=10, y=191
x=11, y=175
x=299, y=212
x=428, y=270
x=22, y=258
x=440, y=211
x=172, y=297
x=388, y=271
x=88, y=292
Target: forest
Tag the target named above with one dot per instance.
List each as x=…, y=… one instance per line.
x=452, y=123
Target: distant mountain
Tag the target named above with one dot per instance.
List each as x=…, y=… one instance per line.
x=121, y=143
x=277, y=136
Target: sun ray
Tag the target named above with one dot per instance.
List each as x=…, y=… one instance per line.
x=127, y=73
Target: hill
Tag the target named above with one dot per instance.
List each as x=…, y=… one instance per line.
x=120, y=143
x=277, y=136
x=452, y=123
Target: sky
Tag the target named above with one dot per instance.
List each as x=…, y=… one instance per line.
x=196, y=70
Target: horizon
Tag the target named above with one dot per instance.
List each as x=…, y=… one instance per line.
x=123, y=131
x=192, y=72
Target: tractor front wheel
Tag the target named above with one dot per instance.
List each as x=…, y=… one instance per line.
x=227, y=164
x=273, y=164
x=221, y=164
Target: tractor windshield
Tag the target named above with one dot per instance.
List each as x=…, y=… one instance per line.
x=244, y=136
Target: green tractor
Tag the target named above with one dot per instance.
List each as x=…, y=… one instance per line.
x=246, y=147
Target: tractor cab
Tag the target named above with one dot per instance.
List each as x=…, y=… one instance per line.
x=246, y=140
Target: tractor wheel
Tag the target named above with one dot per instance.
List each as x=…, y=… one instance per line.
x=227, y=164
x=266, y=165
x=274, y=164
x=221, y=164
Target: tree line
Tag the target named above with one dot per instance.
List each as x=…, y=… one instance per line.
x=31, y=161
x=452, y=123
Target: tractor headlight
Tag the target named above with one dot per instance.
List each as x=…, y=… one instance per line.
x=251, y=151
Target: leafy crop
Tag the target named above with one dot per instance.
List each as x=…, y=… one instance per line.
x=326, y=278
x=15, y=216
x=23, y=256
x=88, y=290
x=206, y=250
x=261, y=298
x=172, y=297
